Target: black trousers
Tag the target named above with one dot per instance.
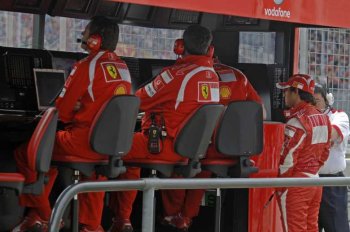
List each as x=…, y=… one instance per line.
x=333, y=216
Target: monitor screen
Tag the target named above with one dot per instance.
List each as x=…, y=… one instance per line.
x=63, y=63
x=48, y=84
x=257, y=47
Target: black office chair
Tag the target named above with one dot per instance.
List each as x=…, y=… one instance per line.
x=111, y=134
x=39, y=153
x=191, y=142
x=238, y=136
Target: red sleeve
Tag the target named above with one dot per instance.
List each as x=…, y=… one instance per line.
x=74, y=88
x=252, y=95
x=293, y=142
x=156, y=92
x=327, y=147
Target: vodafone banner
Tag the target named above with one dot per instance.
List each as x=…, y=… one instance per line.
x=319, y=12
x=334, y=13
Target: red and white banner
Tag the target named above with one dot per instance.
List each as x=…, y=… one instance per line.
x=317, y=12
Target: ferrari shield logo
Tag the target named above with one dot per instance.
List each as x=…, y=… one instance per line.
x=205, y=91
x=112, y=71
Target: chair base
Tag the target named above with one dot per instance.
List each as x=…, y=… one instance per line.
x=166, y=168
x=234, y=168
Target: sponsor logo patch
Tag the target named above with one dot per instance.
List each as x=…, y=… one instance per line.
x=120, y=90
x=278, y=2
x=167, y=77
x=208, y=91
x=205, y=91
x=150, y=89
x=297, y=85
x=225, y=92
x=208, y=74
x=111, y=72
x=158, y=83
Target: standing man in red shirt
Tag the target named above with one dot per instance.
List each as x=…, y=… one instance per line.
x=180, y=206
x=92, y=82
x=173, y=95
x=305, y=149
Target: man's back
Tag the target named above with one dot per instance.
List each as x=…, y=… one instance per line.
x=234, y=85
x=178, y=91
x=92, y=82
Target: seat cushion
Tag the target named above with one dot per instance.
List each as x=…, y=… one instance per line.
x=11, y=177
x=155, y=162
x=219, y=167
x=225, y=162
x=77, y=159
x=12, y=181
x=85, y=166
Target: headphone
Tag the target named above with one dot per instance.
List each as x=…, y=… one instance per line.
x=328, y=95
x=94, y=42
x=179, y=48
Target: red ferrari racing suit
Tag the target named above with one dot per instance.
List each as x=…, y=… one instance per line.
x=234, y=86
x=305, y=149
x=92, y=82
x=173, y=95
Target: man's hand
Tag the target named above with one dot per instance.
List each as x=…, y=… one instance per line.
x=335, y=136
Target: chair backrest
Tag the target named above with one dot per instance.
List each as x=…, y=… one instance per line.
x=113, y=128
x=240, y=129
x=41, y=143
x=193, y=138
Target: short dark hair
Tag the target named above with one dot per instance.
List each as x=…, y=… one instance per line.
x=197, y=39
x=305, y=96
x=107, y=29
x=321, y=90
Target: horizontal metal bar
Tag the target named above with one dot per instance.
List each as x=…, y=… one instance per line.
x=204, y=183
x=193, y=183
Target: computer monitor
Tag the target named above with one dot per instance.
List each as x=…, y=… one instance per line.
x=48, y=84
x=65, y=64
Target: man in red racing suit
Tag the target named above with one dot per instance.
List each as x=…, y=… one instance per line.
x=180, y=206
x=91, y=83
x=172, y=95
x=305, y=149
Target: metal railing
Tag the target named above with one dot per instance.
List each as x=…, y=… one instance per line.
x=149, y=185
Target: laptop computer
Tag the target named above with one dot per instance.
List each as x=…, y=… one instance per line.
x=48, y=85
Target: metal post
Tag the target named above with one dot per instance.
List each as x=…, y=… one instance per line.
x=75, y=205
x=38, y=31
x=148, y=210
x=218, y=211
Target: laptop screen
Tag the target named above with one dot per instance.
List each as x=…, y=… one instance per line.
x=48, y=84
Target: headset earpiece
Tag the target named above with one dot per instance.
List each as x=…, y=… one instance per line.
x=94, y=42
x=179, y=47
x=210, y=51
